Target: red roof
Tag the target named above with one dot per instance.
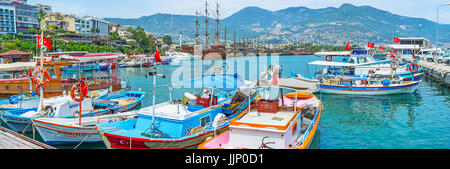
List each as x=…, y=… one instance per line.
x=14, y=52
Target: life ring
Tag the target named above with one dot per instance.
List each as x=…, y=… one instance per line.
x=47, y=77
x=37, y=89
x=27, y=73
x=394, y=65
x=413, y=67
x=83, y=92
x=329, y=58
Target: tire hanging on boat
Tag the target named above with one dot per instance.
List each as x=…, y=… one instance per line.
x=329, y=58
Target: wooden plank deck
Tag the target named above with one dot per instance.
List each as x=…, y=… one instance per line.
x=12, y=140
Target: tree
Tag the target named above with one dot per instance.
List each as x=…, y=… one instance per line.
x=114, y=36
x=32, y=30
x=167, y=40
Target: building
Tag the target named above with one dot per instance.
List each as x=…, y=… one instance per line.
x=409, y=44
x=91, y=25
x=16, y=1
x=45, y=8
x=14, y=56
x=7, y=19
x=26, y=17
x=63, y=21
x=17, y=16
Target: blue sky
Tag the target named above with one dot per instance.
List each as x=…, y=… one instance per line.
x=137, y=8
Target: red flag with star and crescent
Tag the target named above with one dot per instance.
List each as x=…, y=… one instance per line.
x=157, y=57
x=46, y=42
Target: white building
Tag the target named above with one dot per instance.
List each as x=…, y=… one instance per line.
x=411, y=43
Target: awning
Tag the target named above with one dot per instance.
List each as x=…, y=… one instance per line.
x=338, y=53
x=93, y=57
x=17, y=66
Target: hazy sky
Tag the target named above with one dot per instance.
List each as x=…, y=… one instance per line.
x=137, y=8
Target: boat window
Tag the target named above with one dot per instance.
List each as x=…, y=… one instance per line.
x=205, y=121
x=374, y=82
x=52, y=73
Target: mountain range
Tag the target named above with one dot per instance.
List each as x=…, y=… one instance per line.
x=358, y=24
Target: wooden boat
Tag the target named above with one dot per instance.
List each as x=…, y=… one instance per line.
x=283, y=123
x=29, y=101
x=172, y=124
x=64, y=107
x=59, y=131
x=366, y=86
x=56, y=86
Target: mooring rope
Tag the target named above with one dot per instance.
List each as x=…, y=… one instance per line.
x=82, y=141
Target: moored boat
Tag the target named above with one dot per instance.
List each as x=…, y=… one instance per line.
x=287, y=122
x=180, y=124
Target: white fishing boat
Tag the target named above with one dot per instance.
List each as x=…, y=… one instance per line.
x=180, y=58
x=286, y=122
x=57, y=131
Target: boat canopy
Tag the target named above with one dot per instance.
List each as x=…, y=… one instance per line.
x=17, y=66
x=93, y=57
x=326, y=63
x=338, y=53
x=223, y=82
x=343, y=64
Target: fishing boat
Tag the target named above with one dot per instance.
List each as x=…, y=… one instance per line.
x=375, y=83
x=276, y=122
x=18, y=85
x=65, y=107
x=62, y=131
x=181, y=124
x=358, y=63
x=28, y=101
x=372, y=85
x=180, y=58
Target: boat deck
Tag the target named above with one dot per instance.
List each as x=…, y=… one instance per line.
x=12, y=140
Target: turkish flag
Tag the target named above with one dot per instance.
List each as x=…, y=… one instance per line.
x=157, y=57
x=348, y=47
x=371, y=45
x=46, y=42
x=396, y=40
x=381, y=48
x=395, y=51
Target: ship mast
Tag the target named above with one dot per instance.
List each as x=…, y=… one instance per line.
x=196, y=27
x=206, y=24
x=216, y=37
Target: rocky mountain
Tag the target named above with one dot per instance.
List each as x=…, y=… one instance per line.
x=358, y=24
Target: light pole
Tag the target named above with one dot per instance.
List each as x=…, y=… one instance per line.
x=437, y=22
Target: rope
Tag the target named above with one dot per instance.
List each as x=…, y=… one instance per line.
x=82, y=141
x=264, y=145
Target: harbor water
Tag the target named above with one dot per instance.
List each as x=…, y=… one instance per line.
x=406, y=121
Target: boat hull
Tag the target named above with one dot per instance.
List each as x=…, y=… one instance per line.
x=349, y=90
x=120, y=142
x=54, y=134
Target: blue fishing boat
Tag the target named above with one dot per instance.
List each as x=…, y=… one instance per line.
x=64, y=107
x=181, y=124
x=359, y=63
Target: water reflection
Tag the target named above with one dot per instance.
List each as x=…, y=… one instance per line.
x=369, y=112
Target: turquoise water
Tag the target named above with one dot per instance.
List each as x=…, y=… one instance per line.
x=407, y=121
